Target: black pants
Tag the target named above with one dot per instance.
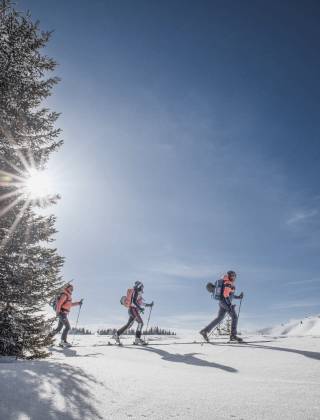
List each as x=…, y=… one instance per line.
x=63, y=322
x=134, y=315
x=223, y=310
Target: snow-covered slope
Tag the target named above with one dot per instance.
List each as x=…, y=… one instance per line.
x=172, y=378
x=302, y=327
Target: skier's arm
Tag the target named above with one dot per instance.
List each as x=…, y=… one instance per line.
x=77, y=303
x=60, y=302
x=135, y=300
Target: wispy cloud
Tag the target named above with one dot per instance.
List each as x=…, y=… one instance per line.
x=295, y=305
x=188, y=271
x=302, y=216
x=303, y=282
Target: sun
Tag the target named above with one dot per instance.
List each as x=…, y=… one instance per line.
x=23, y=185
x=38, y=184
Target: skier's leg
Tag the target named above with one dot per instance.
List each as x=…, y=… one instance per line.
x=221, y=314
x=234, y=321
x=128, y=324
x=139, y=320
x=66, y=327
x=138, y=340
x=59, y=327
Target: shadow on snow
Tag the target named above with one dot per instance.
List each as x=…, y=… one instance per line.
x=188, y=359
x=69, y=352
x=312, y=354
x=29, y=388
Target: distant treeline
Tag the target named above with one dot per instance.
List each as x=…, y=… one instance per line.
x=150, y=331
x=80, y=331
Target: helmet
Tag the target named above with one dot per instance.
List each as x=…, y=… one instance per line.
x=210, y=287
x=138, y=285
x=232, y=273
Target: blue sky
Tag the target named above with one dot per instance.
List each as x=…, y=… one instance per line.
x=191, y=147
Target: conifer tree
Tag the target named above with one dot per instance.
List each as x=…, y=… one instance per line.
x=29, y=265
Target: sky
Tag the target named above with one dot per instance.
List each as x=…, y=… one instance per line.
x=191, y=147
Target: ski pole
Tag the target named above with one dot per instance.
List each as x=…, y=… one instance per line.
x=148, y=321
x=80, y=306
x=239, y=308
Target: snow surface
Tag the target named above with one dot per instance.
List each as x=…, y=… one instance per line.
x=173, y=378
x=303, y=327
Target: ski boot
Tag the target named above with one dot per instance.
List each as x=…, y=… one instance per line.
x=64, y=344
x=116, y=338
x=235, y=339
x=139, y=342
x=204, y=335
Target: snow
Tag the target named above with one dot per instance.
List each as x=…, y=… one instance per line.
x=172, y=378
x=304, y=327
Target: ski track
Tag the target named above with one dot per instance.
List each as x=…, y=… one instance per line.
x=268, y=378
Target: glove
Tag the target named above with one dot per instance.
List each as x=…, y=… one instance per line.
x=142, y=310
x=81, y=302
x=241, y=295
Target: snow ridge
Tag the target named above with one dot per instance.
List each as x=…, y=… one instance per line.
x=303, y=327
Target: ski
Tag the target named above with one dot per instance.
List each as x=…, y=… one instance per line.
x=65, y=347
x=123, y=345
x=117, y=343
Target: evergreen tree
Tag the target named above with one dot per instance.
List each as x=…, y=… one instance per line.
x=29, y=267
x=224, y=328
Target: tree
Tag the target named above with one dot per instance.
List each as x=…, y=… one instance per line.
x=29, y=266
x=224, y=328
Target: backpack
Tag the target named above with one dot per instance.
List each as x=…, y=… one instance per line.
x=218, y=289
x=210, y=287
x=53, y=302
x=126, y=300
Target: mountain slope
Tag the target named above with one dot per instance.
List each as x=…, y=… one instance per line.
x=304, y=327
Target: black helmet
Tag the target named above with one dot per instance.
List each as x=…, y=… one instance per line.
x=210, y=287
x=138, y=285
x=232, y=273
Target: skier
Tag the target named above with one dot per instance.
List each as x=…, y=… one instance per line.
x=135, y=306
x=226, y=306
x=63, y=306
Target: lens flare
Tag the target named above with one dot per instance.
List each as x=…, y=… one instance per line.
x=38, y=184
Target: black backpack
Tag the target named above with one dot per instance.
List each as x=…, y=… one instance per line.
x=210, y=287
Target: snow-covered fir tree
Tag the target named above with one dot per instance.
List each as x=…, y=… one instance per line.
x=29, y=266
x=224, y=328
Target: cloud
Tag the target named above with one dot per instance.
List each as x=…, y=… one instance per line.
x=302, y=216
x=294, y=305
x=188, y=271
x=302, y=282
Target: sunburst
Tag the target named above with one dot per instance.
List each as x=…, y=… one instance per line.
x=27, y=186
